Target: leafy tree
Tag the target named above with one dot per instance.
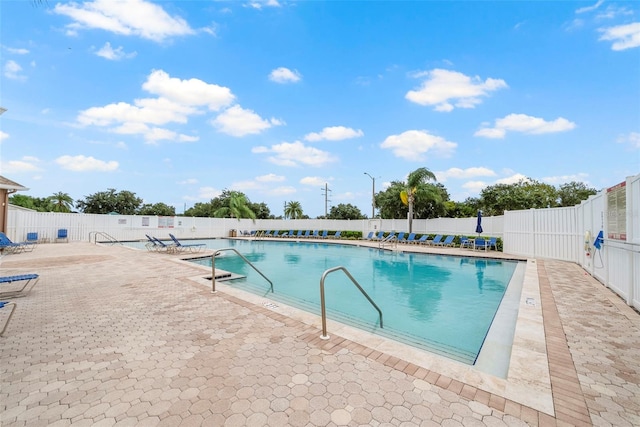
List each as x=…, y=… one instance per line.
x=203, y=210
x=236, y=206
x=525, y=194
x=573, y=193
x=293, y=210
x=345, y=211
x=159, y=209
x=260, y=209
x=34, y=203
x=104, y=202
x=465, y=209
x=60, y=202
x=416, y=188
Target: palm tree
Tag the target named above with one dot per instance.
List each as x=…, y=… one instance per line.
x=238, y=207
x=293, y=210
x=416, y=187
x=61, y=202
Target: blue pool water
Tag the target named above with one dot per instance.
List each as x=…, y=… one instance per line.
x=444, y=304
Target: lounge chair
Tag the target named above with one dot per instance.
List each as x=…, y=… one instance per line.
x=14, y=247
x=465, y=242
x=422, y=240
x=32, y=237
x=369, y=236
x=291, y=234
x=448, y=241
x=192, y=247
x=336, y=235
x=162, y=246
x=492, y=243
x=436, y=240
x=411, y=238
x=315, y=234
x=267, y=233
x=4, y=304
x=401, y=236
x=307, y=234
x=62, y=235
x=299, y=234
x=378, y=237
x=325, y=234
x=24, y=290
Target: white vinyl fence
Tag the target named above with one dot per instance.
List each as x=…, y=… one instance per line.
x=565, y=234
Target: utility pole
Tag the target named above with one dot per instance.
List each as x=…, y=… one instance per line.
x=326, y=198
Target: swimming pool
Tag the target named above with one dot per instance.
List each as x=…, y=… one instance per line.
x=444, y=304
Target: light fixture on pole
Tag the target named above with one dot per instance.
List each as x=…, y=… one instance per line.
x=373, y=195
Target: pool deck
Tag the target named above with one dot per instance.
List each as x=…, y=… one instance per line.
x=116, y=336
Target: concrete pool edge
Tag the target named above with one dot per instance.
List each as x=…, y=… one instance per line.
x=524, y=385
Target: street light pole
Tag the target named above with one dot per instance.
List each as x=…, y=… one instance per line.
x=373, y=195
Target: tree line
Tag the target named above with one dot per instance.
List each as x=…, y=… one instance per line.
x=419, y=197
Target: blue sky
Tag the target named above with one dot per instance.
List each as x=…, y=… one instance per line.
x=178, y=100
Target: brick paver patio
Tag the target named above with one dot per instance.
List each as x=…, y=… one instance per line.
x=113, y=336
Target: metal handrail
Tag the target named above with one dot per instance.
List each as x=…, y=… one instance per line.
x=213, y=268
x=322, y=302
x=393, y=239
x=109, y=238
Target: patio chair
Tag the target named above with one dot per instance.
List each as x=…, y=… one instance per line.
x=24, y=290
x=62, y=235
x=162, y=246
x=369, y=236
x=299, y=234
x=492, y=243
x=14, y=247
x=336, y=235
x=5, y=304
x=307, y=234
x=325, y=234
x=448, y=241
x=32, y=237
x=422, y=240
x=465, y=242
x=378, y=237
x=193, y=247
x=435, y=241
x=401, y=236
x=480, y=243
x=315, y=234
x=411, y=238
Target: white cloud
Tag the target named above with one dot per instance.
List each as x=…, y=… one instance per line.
x=17, y=51
x=271, y=177
x=414, y=144
x=623, y=36
x=590, y=8
x=154, y=135
x=296, y=154
x=555, y=180
x=86, y=164
x=26, y=164
x=188, y=181
x=125, y=17
x=237, y=121
x=474, y=186
x=633, y=139
x=314, y=181
x=255, y=4
x=525, y=124
x=446, y=90
x=208, y=193
x=12, y=70
x=112, y=54
x=334, y=133
x=157, y=111
x=191, y=92
x=513, y=179
x=3, y=136
x=285, y=75
x=281, y=191
x=457, y=173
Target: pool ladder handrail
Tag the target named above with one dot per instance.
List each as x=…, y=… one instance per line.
x=258, y=235
x=213, y=268
x=110, y=238
x=324, y=335
x=389, y=239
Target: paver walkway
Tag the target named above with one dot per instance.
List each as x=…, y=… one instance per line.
x=112, y=336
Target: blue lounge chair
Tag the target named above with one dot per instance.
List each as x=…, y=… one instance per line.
x=315, y=234
x=422, y=240
x=193, y=247
x=300, y=233
x=401, y=236
x=162, y=246
x=62, y=235
x=410, y=239
x=378, y=236
x=267, y=233
x=325, y=234
x=369, y=236
x=4, y=304
x=336, y=235
x=291, y=233
x=15, y=293
x=448, y=241
x=492, y=243
x=32, y=237
x=465, y=242
x=14, y=247
x=307, y=234
x=436, y=240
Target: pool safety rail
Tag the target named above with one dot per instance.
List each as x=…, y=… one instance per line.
x=391, y=241
x=324, y=335
x=213, y=267
x=93, y=237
